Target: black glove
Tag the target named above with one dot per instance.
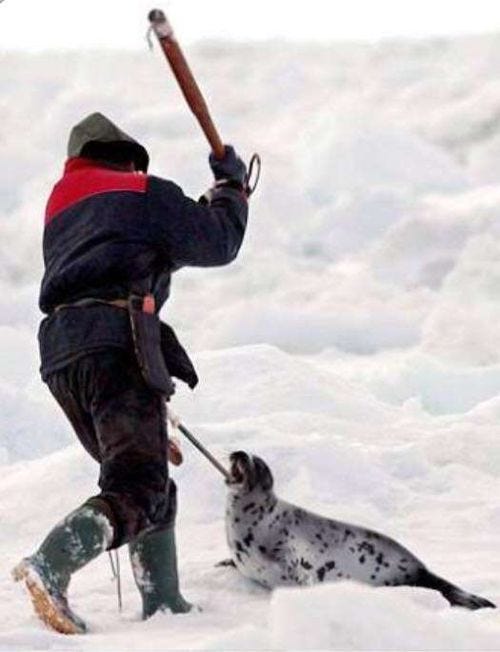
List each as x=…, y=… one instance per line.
x=229, y=168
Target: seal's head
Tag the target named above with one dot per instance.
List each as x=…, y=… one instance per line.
x=248, y=472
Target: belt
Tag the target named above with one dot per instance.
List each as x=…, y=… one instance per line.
x=142, y=303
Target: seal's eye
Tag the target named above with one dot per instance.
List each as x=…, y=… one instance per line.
x=263, y=473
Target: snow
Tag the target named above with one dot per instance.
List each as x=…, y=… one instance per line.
x=354, y=344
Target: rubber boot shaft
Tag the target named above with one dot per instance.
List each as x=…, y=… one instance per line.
x=81, y=536
x=154, y=563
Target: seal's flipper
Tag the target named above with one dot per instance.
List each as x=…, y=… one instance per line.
x=455, y=596
x=225, y=562
x=460, y=598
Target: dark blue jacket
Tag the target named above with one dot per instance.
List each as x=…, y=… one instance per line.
x=107, y=232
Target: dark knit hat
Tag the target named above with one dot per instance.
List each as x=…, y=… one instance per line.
x=98, y=138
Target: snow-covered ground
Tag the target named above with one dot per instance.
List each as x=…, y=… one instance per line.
x=354, y=344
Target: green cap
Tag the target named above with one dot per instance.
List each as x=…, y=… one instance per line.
x=105, y=136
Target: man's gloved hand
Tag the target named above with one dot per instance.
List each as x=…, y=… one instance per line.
x=174, y=452
x=230, y=168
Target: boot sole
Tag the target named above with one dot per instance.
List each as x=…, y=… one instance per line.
x=45, y=606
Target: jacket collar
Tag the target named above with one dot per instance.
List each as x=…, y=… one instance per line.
x=78, y=163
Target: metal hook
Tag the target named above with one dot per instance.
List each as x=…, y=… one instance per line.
x=149, y=40
x=250, y=184
x=115, y=569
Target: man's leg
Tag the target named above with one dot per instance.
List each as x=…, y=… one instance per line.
x=121, y=423
x=80, y=537
x=132, y=433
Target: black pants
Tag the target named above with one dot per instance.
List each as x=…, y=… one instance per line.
x=121, y=422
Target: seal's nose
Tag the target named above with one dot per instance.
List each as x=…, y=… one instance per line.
x=239, y=465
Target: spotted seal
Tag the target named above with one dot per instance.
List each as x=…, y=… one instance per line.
x=276, y=543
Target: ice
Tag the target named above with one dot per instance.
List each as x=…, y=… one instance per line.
x=462, y=328
x=352, y=617
x=355, y=151
x=354, y=344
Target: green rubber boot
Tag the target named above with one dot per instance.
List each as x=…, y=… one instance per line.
x=154, y=564
x=77, y=539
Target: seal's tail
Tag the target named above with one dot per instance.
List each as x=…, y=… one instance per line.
x=455, y=596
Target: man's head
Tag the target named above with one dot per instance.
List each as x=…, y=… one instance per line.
x=97, y=138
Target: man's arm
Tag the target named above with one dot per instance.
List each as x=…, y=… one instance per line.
x=205, y=233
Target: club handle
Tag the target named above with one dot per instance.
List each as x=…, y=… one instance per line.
x=182, y=72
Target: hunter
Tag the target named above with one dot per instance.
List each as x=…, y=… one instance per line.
x=113, y=237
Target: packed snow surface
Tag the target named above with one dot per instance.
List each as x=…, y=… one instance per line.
x=354, y=344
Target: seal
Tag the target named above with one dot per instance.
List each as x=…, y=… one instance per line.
x=276, y=543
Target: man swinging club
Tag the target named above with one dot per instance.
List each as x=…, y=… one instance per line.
x=113, y=237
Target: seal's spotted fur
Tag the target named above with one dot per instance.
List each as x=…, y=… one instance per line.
x=277, y=544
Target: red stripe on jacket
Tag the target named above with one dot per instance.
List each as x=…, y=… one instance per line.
x=84, y=178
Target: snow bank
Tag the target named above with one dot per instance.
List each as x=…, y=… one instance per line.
x=425, y=481
x=31, y=424
x=270, y=380
x=463, y=327
x=353, y=152
x=353, y=617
